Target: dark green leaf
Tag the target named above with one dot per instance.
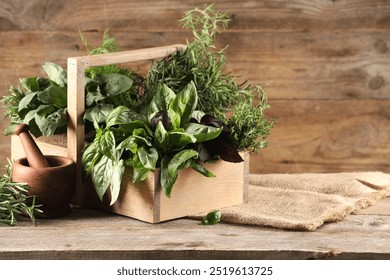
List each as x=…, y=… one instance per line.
x=178, y=140
x=128, y=144
x=185, y=103
x=113, y=84
x=30, y=84
x=55, y=73
x=203, y=132
x=54, y=95
x=196, y=165
x=129, y=127
x=167, y=180
x=27, y=103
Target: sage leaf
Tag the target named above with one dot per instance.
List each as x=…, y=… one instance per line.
x=55, y=73
x=113, y=84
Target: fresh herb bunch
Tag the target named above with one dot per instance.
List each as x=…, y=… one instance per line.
x=249, y=127
x=202, y=64
x=14, y=200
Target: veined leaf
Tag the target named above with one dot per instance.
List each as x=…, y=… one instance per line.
x=118, y=169
x=113, y=84
x=178, y=140
x=167, y=180
x=148, y=157
x=91, y=155
x=185, y=103
x=49, y=124
x=128, y=144
x=107, y=145
x=140, y=172
x=123, y=115
x=203, y=132
x=101, y=174
x=179, y=159
x=161, y=100
x=98, y=113
x=54, y=95
x=55, y=73
x=161, y=135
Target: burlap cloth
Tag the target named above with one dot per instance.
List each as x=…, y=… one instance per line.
x=306, y=201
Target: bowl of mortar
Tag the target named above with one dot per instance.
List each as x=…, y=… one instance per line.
x=52, y=179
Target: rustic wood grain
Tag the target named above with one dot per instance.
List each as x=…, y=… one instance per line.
x=326, y=136
x=313, y=51
x=98, y=235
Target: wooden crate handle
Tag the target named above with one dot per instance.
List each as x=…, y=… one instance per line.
x=76, y=96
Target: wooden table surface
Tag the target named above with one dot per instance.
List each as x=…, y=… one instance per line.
x=91, y=234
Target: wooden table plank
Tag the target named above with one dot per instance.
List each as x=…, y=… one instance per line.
x=88, y=234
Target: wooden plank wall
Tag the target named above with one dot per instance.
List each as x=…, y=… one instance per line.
x=325, y=65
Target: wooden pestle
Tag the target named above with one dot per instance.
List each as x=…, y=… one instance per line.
x=34, y=155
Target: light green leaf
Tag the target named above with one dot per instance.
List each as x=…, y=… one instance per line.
x=161, y=135
x=98, y=113
x=48, y=125
x=91, y=155
x=123, y=115
x=101, y=174
x=178, y=140
x=128, y=144
x=27, y=103
x=118, y=169
x=179, y=159
x=55, y=73
x=107, y=145
x=148, y=157
x=185, y=103
x=139, y=171
x=161, y=100
x=54, y=95
x=203, y=132
x=129, y=127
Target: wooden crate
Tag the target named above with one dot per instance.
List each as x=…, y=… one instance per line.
x=192, y=193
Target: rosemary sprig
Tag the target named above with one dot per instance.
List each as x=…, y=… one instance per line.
x=218, y=91
x=14, y=200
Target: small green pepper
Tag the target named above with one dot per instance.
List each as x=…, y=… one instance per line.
x=212, y=218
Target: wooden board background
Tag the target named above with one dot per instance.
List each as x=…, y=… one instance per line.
x=325, y=65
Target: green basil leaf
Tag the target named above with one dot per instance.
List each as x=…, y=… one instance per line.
x=123, y=115
x=128, y=144
x=148, y=157
x=91, y=155
x=118, y=169
x=44, y=110
x=161, y=135
x=203, y=132
x=161, y=101
x=98, y=113
x=174, y=118
x=27, y=103
x=55, y=73
x=54, y=95
x=178, y=140
x=107, y=145
x=101, y=174
x=179, y=159
x=198, y=115
x=185, y=103
x=93, y=92
x=49, y=124
x=30, y=84
x=129, y=127
x=140, y=172
x=113, y=84
x=197, y=166
x=167, y=180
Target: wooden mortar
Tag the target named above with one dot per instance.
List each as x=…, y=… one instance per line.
x=52, y=178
